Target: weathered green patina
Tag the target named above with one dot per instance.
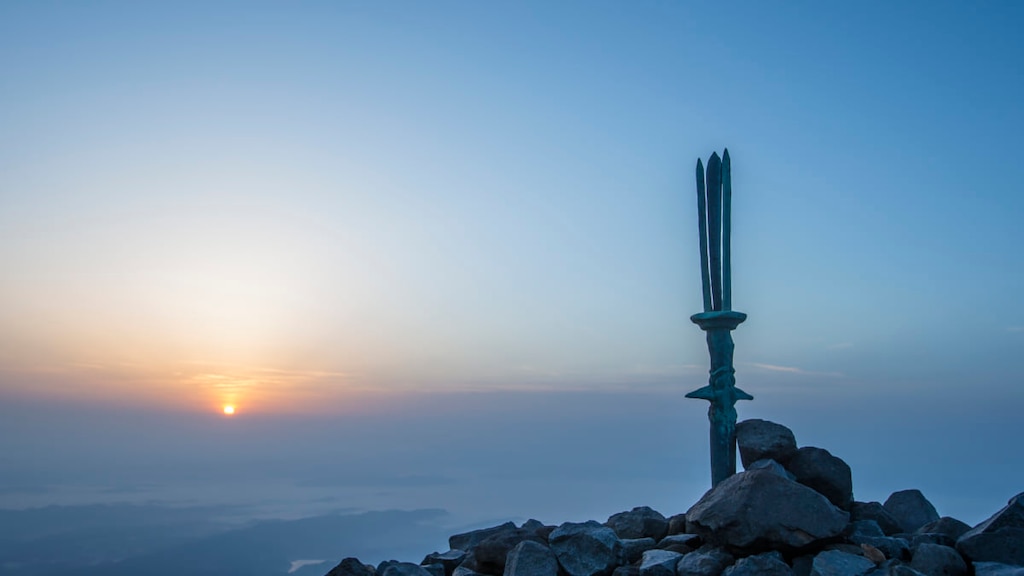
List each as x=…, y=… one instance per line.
x=714, y=207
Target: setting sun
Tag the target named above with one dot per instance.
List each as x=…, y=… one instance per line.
x=229, y=410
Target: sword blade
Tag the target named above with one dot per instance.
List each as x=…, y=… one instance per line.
x=726, y=231
x=702, y=228
x=714, y=184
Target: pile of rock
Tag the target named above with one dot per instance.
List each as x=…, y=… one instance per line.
x=791, y=512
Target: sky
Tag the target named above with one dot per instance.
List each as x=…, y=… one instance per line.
x=369, y=226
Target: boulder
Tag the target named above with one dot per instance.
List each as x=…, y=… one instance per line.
x=945, y=525
x=435, y=569
x=930, y=538
x=585, y=549
x=449, y=559
x=530, y=558
x=767, y=564
x=468, y=540
x=758, y=510
x=997, y=569
x=936, y=560
x=760, y=439
x=892, y=548
x=351, y=567
x=706, y=561
x=864, y=528
x=875, y=511
x=640, y=522
x=998, y=539
x=626, y=571
x=492, y=551
x=405, y=569
x=465, y=571
x=824, y=473
x=659, y=563
x=682, y=543
x=910, y=509
x=837, y=563
x=773, y=466
x=676, y=524
x=634, y=548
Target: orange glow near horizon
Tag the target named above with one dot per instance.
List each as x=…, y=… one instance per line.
x=229, y=410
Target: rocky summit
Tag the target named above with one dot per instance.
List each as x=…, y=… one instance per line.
x=791, y=512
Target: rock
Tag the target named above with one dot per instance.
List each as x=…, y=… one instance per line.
x=931, y=538
x=468, y=540
x=945, y=525
x=492, y=551
x=773, y=466
x=465, y=571
x=626, y=571
x=997, y=569
x=875, y=511
x=659, y=563
x=676, y=524
x=530, y=558
x=761, y=439
x=768, y=564
x=873, y=554
x=936, y=560
x=998, y=539
x=449, y=559
x=836, y=563
x=758, y=510
x=351, y=567
x=864, y=528
x=893, y=548
x=634, y=548
x=640, y=522
x=707, y=561
x=585, y=549
x=405, y=569
x=910, y=509
x=681, y=543
x=435, y=569
x=824, y=473
x=532, y=525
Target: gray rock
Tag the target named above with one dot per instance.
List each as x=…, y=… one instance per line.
x=676, y=524
x=530, y=558
x=945, y=525
x=707, y=561
x=468, y=540
x=681, y=543
x=893, y=548
x=640, y=522
x=435, y=569
x=532, y=525
x=837, y=563
x=384, y=565
x=659, y=563
x=875, y=511
x=772, y=465
x=824, y=473
x=405, y=569
x=758, y=510
x=760, y=439
x=465, y=571
x=634, y=548
x=998, y=539
x=626, y=571
x=930, y=538
x=767, y=564
x=997, y=569
x=893, y=568
x=449, y=559
x=936, y=560
x=864, y=528
x=351, y=567
x=585, y=549
x=492, y=551
x=910, y=509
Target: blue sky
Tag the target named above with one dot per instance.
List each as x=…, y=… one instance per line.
x=306, y=208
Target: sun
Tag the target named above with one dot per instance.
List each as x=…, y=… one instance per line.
x=229, y=410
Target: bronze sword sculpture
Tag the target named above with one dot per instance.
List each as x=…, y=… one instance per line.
x=714, y=206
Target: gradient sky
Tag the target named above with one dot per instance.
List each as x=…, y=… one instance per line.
x=309, y=207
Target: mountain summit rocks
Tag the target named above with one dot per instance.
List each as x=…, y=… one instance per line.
x=790, y=512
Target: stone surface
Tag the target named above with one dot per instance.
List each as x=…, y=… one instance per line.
x=873, y=554
x=351, y=567
x=875, y=511
x=910, y=509
x=997, y=569
x=659, y=563
x=405, y=569
x=682, y=543
x=759, y=510
x=677, y=524
x=530, y=558
x=465, y=571
x=468, y=540
x=773, y=466
x=837, y=563
x=640, y=522
x=864, y=528
x=626, y=571
x=945, y=525
x=936, y=560
x=585, y=549
x=893, y=548
x=435, y=569
x=767, y=564
x=998, y=539
x=634, y=548
x=449, y=559
x=929, y=538
x=706, y=561
x=761, y=439
x=492, y=551
x=824, y=473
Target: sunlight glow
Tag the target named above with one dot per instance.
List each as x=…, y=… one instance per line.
x=229, y=410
